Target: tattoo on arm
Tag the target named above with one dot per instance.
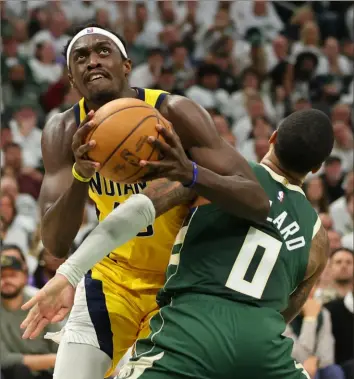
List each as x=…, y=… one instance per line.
x=165, y=195
x=317, y=262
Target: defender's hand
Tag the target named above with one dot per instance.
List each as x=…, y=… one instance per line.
x=50, y=305
x=175, y=164
x=84, y=167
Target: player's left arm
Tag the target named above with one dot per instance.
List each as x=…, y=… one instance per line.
x=224, y=176
x=318, y=258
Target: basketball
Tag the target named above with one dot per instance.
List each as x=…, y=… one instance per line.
x=121, y=134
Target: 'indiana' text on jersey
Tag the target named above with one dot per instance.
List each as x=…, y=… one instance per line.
x=260, y=264
x=150, y=250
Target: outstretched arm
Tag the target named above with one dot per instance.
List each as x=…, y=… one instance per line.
x=123, y=224
x=317, y=262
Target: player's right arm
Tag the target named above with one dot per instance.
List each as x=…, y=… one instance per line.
x=318, y=258
x=63, y=198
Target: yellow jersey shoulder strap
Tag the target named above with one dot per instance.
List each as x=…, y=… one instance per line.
x=152, y=97
x=80, y=111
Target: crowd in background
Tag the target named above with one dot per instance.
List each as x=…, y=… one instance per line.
x=250, y=64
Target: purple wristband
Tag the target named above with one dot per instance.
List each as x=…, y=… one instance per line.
x=195, y=176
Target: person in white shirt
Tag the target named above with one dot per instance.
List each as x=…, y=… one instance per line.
x=146, y=74
x=207, y=92
x=344, y=144
x=44, y=68
x=57, y=26
x=24, y=130
x=339, y=210
x=332, y=62
x=260, y=14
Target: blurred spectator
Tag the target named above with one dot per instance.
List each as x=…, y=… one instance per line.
x=181, y=66
x=146, y=74
x=223, y=128
x=344, y=144
x=326, y=221
x=19, y=89
x=316, y=194
x=341, y=113
x=260, y=14
x=12, y=228
x=206, y=91
x=26, y=206
x=332, y=62
x=342, y=311
x=166, y=81
x=334, y=240
x=261, y=130
x=25, y=359
x=341, y=267
x=333, y=177
x=44, y=67
x=309, y=39
x=342, y=209
x=237, y=107
x=255, y=108
x=27, y=262
x=25, y=132
x=57, y=27
x=28, y=178
x=20, y=30
x=261, y=147
x=313, y=346
x=47, y=266
x=136, y=51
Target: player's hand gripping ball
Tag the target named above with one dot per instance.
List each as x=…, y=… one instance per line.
x=175, y=164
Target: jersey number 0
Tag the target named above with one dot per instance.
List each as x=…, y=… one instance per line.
x=236, y=281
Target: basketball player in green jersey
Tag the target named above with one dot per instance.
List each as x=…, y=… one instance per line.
x=232, y=284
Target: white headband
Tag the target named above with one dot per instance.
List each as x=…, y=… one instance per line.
x=103, y=32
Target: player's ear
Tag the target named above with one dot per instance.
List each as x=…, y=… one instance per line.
x=71, y=80
x=316, y=169
x=273, y=137
x=127, y=66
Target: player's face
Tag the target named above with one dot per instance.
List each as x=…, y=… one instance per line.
x=98, y=70
x=342, y=266
x=12, y=283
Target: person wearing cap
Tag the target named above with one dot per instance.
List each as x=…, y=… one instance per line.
x=21, y=358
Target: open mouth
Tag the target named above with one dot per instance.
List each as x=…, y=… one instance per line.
x=95, y=77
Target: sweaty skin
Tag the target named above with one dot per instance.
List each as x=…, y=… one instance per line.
x=224, y=175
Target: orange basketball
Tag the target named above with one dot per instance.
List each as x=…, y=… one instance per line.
x=121, y=132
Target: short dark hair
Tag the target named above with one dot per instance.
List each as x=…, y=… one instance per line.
x=305, y=139
x=92, y=25
x=350, y=251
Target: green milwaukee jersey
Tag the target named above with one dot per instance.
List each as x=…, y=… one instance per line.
x=261, y=264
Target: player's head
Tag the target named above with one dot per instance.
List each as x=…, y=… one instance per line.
x=98, y=63
x=303, y=141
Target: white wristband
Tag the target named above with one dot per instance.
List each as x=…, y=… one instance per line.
x=120, y=226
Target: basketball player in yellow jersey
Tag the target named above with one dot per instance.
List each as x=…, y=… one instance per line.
x=117, y=297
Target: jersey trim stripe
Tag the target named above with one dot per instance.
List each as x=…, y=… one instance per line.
x=140, y=92
x=316, y=228
x=160, y=100
x=77, y=114
x=283, y=180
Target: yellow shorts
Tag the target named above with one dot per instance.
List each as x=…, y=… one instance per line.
x=120, y=303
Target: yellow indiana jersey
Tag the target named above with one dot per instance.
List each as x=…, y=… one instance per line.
x=150, y=249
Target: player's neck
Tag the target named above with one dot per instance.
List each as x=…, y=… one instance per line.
x=273, y=163
x=126, y=92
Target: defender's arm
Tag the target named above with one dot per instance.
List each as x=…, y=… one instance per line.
x=319, y=254
x=224, y=176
